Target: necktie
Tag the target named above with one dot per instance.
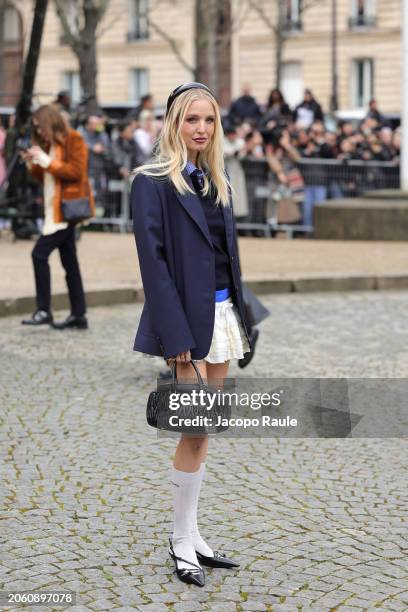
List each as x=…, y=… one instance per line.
x=197, y=178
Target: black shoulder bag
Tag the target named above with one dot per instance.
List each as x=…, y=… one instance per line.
x=77, y=209
x=187, y=407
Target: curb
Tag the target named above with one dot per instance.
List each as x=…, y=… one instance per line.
x=128, y=295
x=103, y=297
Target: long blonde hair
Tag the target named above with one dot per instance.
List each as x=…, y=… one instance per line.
x=170, y=156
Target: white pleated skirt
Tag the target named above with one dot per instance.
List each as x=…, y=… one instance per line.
x=229, y=340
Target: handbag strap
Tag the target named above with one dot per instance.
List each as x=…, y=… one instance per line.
x=174, y=374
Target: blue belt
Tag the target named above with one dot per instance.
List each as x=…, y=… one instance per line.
x=221, y=295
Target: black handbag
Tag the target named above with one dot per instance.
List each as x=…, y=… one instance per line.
x=76, y=210
x=255, y=311
x=165, y=410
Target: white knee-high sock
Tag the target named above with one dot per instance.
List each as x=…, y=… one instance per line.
x=184, y=485
x=199, y=544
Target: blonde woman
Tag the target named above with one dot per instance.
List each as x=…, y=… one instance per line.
x=186, y=243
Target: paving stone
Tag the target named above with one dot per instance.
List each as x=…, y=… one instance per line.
x=85, y=481
x=257, y=606
x=190, y=607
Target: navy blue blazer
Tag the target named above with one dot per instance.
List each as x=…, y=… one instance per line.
x=177, y=265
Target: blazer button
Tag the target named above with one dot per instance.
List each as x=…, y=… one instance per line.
x=232, y=258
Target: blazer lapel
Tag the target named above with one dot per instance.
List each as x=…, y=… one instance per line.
x=191, y=203
x=229, y=228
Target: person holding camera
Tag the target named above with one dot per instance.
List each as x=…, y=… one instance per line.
x=126, y=153
x=317, y=175
x=285, y=181
x=58, y=158
x=194, y=309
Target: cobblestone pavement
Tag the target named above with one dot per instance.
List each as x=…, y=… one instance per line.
x=86, y=504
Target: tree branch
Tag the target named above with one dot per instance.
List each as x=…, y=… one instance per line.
x=102, y=9
x=239, y=20
x=173, y=46
x=261, y=12
x=257, y=5
x=74, y=41
x=101, y=31
x=310, y=4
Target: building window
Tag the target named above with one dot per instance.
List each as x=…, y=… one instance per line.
x=11, y=54
x=139, y=84
x=292, y=83
x=138, y=19
x=10, y=25
x=292, y=18
x=72, y=84
x=362, y=82
x=363, y=14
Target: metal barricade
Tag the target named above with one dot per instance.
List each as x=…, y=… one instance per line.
x=349, y=178
x=336, y=179
x=112, y=205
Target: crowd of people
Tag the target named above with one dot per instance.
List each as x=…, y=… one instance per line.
x=372, y=139
x=273, y=132
x=114, y=153
x=288, y=138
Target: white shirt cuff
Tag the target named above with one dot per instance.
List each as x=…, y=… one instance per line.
x=42, y=159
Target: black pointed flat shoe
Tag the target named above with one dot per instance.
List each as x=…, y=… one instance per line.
x=195, y=575
x=218, y=560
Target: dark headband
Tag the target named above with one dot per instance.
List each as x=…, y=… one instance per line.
x=181, y=89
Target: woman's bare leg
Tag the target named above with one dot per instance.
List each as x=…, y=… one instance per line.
x=216, y=372
x=191, y=450
x=190, y=453
x=189, y=466
x=215, y=376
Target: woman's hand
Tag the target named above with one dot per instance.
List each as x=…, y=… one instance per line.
x=184, y=357
x=98, y=148
x=285, y=140
x=25, y=156
x=36, y=155
x=124, y=172
x=34, y=151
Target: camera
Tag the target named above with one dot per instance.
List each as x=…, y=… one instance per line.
x=23, y=143
x=274, y=135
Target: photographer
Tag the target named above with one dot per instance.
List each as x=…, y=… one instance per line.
x=58, y=158
x=277, y=110
x=286, y=182
x=316, y=177
x=100, y=155
x=233, y=146
x=127, y=154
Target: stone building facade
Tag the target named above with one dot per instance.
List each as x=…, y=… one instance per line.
x=135, y=57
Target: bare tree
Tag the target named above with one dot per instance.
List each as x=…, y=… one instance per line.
x=279, y=25
x=80, y=20
x=214, y=27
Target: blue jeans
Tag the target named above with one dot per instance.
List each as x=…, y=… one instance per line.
x=313, y=195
